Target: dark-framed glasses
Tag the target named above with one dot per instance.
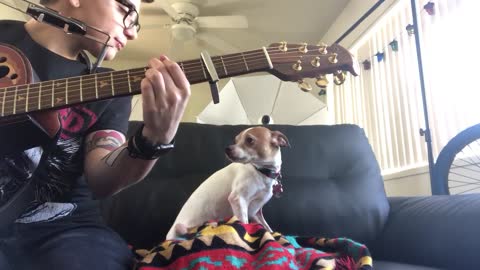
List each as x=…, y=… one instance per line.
x=131, y=19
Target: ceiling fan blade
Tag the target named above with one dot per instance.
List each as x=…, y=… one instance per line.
x=165, y=5
x=234, y=21
x=217, y=43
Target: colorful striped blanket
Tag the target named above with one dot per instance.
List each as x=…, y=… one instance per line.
x=231, y=244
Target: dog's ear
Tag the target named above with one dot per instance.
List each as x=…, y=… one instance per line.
x=279, y=139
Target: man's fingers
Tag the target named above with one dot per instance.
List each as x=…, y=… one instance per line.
x=178, y=76
x=148, y=97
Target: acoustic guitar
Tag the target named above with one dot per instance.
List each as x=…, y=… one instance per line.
x=28, y=109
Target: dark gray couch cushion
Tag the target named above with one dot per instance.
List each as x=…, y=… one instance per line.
x=383, y=265
x=332, y=184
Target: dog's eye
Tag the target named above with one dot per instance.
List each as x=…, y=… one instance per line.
x=250, y=140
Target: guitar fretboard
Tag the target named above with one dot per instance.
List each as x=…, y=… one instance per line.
x=20, y=99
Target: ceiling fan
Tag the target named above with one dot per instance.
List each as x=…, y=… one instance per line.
x=187, y=25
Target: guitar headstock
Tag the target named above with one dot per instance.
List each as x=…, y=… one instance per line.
x=295, y=62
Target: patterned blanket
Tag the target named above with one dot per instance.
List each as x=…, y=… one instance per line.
x=231, y=244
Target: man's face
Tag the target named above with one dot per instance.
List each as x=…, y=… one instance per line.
x=111, y=17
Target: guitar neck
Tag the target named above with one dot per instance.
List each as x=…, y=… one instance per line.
x=54, y=94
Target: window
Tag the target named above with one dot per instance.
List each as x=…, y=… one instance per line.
x=386, y=100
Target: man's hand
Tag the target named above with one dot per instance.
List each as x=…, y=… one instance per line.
x=165, y=94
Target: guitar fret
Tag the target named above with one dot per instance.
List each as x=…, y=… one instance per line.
x=66, y=91
x=111, y=81
x=81, y=89
x=26, y=99
x=3, y=102
x=74, y=91
x=96, y=86
x=203, y=69
x=32, y=97
x=245, y=61
x=20, y=101
x=224, y=67
x=39, y=95
x=60, y=93
x=44, y=99
x=15, y=101
x=129, y=83
x=53, y=92
x=9, y=99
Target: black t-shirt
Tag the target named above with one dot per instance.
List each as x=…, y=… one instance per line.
x=62, y=185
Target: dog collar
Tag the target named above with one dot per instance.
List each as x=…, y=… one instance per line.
x=277, y=187
x=270, y=173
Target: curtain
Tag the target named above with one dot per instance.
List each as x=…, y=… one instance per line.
x=386, y=99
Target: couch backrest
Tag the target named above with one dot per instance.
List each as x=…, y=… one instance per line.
x=332, y=184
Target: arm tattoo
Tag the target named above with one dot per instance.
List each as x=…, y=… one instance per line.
x=112, y=156
x=109, y=140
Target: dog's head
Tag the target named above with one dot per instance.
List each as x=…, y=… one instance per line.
x=257, y=145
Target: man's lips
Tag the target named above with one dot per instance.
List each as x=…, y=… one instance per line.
x=118, y=44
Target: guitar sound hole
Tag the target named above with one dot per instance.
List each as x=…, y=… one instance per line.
x=4, y=71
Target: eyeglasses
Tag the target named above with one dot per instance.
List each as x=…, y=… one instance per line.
x=131, y=18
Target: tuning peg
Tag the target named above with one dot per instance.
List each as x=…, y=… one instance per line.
x=322, y=81
x=316, y=61
x=333, y=58
x=303, y=48
x=283, y=46
x=322, y=48
x=339, y=78
x=304, y=86
x=297, y=66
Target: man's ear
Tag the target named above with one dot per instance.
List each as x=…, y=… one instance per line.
x=279, y=139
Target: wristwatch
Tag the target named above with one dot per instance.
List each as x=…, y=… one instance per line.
x=140, y=147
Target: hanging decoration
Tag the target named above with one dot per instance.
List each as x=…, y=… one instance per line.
x=380, y=56
x=367, y=65
x=410, y=29
x=430, y=8
x=394, y=45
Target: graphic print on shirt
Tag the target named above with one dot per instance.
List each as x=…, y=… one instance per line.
x=65, y=165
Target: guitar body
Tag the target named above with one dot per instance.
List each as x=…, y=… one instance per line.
x=21, y=132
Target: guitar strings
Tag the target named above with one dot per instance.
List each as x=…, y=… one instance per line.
x=87, y=82
x=22, y=89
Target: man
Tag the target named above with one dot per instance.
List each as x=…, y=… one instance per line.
x=92, y=158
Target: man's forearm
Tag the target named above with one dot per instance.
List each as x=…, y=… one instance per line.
x=109, y=167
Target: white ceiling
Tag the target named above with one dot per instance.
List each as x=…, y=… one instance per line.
x=268, y=21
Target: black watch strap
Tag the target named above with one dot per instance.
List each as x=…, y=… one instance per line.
x=140, y=147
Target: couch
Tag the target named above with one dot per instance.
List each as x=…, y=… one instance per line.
x=332, y=188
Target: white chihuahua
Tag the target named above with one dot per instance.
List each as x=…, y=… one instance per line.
x=242, y=188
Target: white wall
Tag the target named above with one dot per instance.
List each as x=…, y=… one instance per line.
x=352, y=12
x=413, y=182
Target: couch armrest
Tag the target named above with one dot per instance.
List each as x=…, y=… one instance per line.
x=438, y=231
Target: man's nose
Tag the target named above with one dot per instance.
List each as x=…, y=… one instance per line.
x=130, y=33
